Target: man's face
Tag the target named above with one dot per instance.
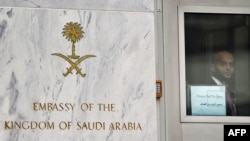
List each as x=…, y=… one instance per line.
x=224, y=65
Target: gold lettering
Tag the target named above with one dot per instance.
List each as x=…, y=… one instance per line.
x=42, y=106
x=106, y=107
x=53, y=106
x=7, y=125
x=138, y=127
x=117, y=126
x=35, y=106
x=111, y=127
x=50, y=107
x=90, y=126
x=61, y=108
x=125, y=126
x=43, y=125
x=131, y=126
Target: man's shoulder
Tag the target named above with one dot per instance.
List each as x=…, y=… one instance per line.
x=210, y=81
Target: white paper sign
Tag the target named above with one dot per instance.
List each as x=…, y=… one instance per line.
x=208, y=100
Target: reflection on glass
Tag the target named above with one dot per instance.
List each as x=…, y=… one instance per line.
x=217, y=54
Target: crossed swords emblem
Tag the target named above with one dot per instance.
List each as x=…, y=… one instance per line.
x=73, y=32
x=73, y=64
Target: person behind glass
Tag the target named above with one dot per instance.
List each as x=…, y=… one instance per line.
x=222, y=70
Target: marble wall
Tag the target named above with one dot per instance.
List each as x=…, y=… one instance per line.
x=116, y=5
x=115, y=101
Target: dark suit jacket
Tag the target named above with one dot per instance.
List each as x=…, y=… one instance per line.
x=232, y=94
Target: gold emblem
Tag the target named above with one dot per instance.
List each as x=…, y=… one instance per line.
x=73, y=32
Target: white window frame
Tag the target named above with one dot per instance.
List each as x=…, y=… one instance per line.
x=202, y=9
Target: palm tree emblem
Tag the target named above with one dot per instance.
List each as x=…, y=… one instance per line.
x=73, y=32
